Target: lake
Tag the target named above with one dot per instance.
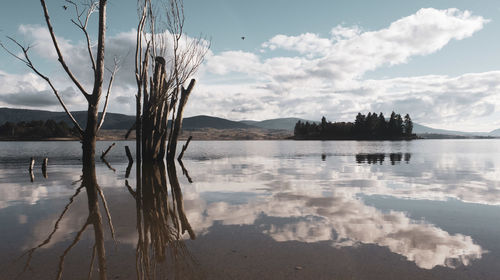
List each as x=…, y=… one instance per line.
x=423, y=209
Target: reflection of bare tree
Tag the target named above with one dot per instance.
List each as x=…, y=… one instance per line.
x=89, y=182
x=161, y=222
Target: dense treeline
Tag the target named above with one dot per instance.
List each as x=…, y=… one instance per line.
x=37, y=130
x=369, y=127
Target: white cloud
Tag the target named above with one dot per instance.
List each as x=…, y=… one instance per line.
x=318, y=76
x=341, y=32
x=307, y=43
x=326, y=77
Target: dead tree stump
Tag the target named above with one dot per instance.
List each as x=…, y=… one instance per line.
x=44, y=167
x=32, y=164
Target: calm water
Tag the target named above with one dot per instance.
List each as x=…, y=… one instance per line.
x=424, y=209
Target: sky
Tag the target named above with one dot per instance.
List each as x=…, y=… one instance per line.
x=438, y=61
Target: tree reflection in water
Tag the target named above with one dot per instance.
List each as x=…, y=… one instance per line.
x=89, y=183
x=161, y=223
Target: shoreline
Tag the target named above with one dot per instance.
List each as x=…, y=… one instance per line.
x=212, y=134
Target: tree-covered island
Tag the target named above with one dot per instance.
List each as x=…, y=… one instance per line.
x=369, y=127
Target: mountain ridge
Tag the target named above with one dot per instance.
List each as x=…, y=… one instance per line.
x=122, y=121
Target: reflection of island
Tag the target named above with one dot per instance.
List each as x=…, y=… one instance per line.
x=380, y=157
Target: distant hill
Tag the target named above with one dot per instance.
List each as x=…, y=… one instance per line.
x=199, y=122
x=281, y=123
x=121, y=121
x=422, y=129
x=495, y=133
x=113, y=120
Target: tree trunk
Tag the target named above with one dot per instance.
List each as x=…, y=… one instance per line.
x=177, y=123
x=90, y=136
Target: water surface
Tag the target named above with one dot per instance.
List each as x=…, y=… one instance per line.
x=423, y=209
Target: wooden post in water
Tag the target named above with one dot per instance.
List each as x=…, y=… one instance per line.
x=44, y=167
x=32, y=164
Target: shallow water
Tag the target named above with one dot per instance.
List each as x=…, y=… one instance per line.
x=425, y=209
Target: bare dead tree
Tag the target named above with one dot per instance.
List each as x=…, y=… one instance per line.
x=165, y=59
x=83, y=14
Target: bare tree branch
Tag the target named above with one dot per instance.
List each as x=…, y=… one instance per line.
x=26, y=60
x=176, y=58
x=110, y=85
x=59, y=53
x=83, y=25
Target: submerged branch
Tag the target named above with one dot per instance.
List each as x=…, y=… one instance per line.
x=184, y=147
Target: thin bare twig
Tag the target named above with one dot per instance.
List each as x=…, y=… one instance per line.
x=107, y=150
x=83, y=25
x=59, y=53
x=26, y=60
x=184, y=148
x=110, y=85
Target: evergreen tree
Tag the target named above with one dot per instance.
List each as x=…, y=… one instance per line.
x=370, y=127
x=381, y=126
x=399, y=126
x=392, y=126
x=408, y=124
x=359, y=124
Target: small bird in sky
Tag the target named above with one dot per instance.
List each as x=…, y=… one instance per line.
x=243, y=38
x=65, y=7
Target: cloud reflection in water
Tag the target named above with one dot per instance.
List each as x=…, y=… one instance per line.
x=320, y=203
